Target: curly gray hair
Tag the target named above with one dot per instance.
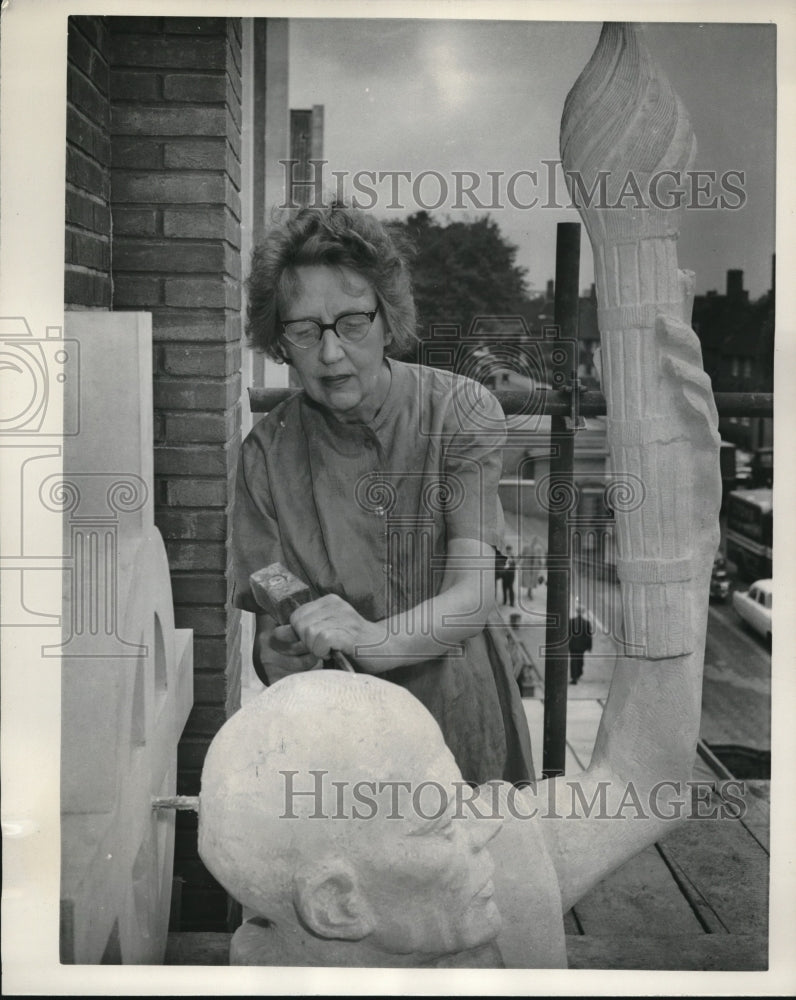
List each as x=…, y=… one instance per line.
x=335, y=236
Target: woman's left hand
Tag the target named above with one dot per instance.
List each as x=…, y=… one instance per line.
x=332, y=623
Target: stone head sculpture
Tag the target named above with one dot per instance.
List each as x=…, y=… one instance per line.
x=328, y=806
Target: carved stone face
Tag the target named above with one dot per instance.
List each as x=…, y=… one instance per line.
x=429, y=881
x=404, y=878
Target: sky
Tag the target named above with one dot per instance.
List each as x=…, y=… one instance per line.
x=487, y=96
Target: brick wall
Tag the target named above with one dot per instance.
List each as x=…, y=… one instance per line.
x=175, y=86
x=87, y=251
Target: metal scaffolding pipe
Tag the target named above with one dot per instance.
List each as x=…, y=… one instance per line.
x=562, y=460
x=557, y=403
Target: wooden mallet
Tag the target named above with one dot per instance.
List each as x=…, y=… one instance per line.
x=279, y=592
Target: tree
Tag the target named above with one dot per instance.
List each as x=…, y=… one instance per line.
x=462, y=270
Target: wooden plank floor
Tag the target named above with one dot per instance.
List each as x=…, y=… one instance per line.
x=705, y=884
x=641, y=897
x=697, y=900
x=676, y=952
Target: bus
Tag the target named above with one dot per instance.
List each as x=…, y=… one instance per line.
x=749, y=522
x=729, y=471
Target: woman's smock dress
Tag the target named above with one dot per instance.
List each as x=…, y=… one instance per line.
x=366, y=510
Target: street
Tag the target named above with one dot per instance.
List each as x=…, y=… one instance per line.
x=736, y=694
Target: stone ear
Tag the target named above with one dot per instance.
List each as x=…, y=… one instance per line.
x=330, y=903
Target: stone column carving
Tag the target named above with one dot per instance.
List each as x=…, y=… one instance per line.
x=626, y=142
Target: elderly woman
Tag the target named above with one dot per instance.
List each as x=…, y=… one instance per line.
x=377, y=486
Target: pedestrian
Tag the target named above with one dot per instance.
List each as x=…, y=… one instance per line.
x=508, y=575
x=500, y=564
x=580, y=633
x=527, y=570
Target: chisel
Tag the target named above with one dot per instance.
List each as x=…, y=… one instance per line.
x=279, y=592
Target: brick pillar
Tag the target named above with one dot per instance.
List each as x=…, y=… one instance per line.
x=176, y=146
x=87, y=278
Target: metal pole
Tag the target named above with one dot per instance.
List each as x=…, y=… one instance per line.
x=562, y=439
x=558, y=403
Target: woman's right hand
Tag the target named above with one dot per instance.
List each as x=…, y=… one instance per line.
x=285, y=641
x=277, y=652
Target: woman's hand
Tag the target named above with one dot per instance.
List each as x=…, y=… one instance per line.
x=442, y=623
x=431, y=629
x=332, y=623
x=277, y=653
x=284, y=643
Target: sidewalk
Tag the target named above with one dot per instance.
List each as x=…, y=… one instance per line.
x=585, y=699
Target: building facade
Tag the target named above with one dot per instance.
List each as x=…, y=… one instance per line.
x=737, y=338
x=175, y=127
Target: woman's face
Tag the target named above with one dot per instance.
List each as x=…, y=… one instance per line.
x=351, y=380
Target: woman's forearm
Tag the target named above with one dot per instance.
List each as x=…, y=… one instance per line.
x=445, y=621
x=430, y=629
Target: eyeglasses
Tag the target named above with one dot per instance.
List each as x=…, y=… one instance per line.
x=350, y=328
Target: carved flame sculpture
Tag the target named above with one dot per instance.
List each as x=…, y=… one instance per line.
x=625, y=136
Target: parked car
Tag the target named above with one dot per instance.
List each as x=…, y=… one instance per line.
x=720, y=583
x=754, y=606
